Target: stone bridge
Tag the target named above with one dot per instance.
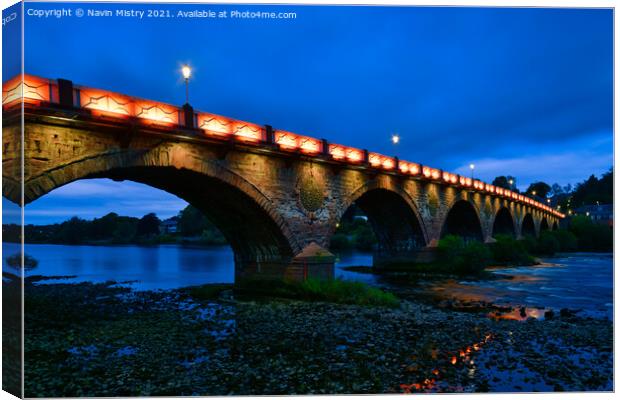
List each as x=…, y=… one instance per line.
x=276, y=196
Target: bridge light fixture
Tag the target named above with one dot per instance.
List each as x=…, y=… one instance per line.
x=187, y=73
x=395, y=139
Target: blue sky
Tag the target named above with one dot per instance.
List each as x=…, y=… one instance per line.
x=525, y=92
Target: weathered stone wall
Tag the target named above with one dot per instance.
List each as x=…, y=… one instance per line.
x=270, y=205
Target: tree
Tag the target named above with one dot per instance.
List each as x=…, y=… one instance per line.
x=540, y=189
x=556, y=189
x=192, y=222
x=505, y=182
x=148, y=225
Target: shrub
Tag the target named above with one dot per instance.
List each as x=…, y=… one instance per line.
x=331, y=290
x=460, y=257
x=591, y=236
x=15, y=261
x=475, y=258
x=547, y=244
x=566, y=240
x=507, y=249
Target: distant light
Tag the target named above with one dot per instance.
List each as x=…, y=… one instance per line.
x=548, y=200
x=187, y=71
x=395, y=139
x=511, y=181
x=472, y=166
x=534, y=192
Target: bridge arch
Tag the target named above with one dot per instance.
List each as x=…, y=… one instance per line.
x=463, y=220
x=527, y=226
x=555, y=226
x=255, y=230
x=544, y=225
x=394, y=219
x=503, y=223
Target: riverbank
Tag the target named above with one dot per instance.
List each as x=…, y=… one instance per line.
x=107, y=340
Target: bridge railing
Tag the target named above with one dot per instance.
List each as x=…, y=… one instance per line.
x=38, y=91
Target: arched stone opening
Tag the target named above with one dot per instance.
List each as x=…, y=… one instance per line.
x=503, y=223
x=395, y=223
x=462, y=220
x=256, y=233
x=544, y=225
x=527, y=226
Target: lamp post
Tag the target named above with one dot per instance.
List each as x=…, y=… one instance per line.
x=471, y=167
x=187, y=72
x=395, y=138
x=511, y=182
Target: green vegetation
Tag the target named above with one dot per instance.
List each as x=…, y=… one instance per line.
x=353, y=233
x=15, y=261
x=332, y=290
x=507, y=250
x=461, y=257
x=591, y=236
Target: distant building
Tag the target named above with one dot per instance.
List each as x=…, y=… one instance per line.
x=599, y=213
x=170, y=225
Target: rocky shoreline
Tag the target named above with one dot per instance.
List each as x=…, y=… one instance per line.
x=107, y=340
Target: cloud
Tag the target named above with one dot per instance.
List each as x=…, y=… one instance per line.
x=568, y=167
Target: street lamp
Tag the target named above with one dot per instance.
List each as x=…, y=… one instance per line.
x=395, y=139
x=187, y=72
x=471, y=167
x=548, y=201
x=511, y=182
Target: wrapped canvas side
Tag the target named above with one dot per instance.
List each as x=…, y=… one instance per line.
x=12, y=201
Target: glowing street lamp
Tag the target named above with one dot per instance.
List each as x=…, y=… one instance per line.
x=395, y=139
x=187, y=72
x=471, y=167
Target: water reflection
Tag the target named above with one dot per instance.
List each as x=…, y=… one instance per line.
x=154, y=267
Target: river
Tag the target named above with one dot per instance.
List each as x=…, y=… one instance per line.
x=576, y=281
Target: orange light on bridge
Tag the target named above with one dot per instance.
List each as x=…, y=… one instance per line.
x=427, y=171
x=435, y=174
x=214, y=124
x=378, y=160
x=32, y=90
x=247, y=132
x=388, y=163
x=103, y=102
x=157, y=112
x=354, y=155
x=403, y=166
x=291, y=141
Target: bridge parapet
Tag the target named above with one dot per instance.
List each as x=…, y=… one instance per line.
x=36, y=91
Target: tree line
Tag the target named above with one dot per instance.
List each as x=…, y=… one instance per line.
x=112, y=228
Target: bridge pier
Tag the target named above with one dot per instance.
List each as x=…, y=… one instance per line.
x=312, y=262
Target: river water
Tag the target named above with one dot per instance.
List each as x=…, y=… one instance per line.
x=576, y=281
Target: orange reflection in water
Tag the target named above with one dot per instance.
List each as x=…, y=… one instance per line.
x=463, y=357
x=518, y=314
